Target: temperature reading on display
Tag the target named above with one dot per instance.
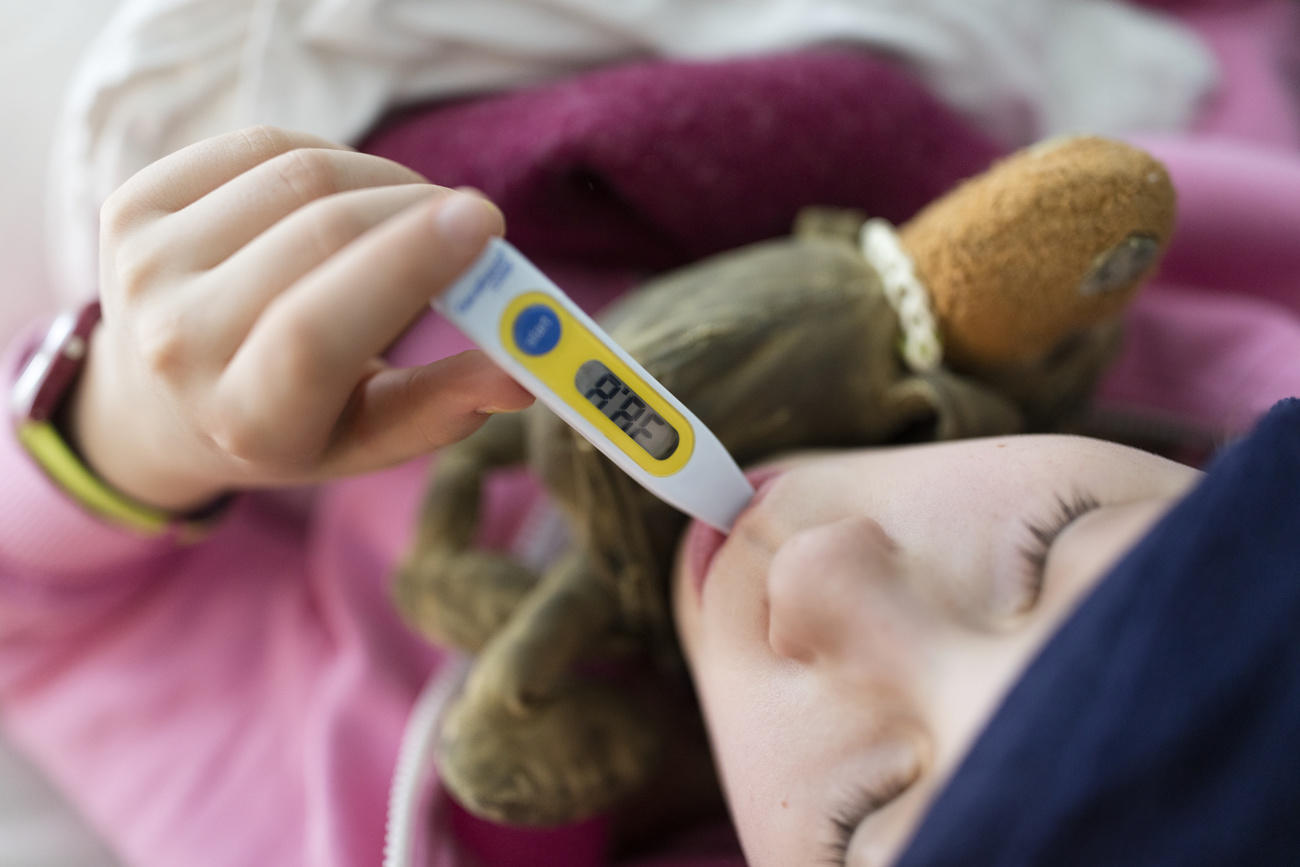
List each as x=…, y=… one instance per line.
x=625, y=408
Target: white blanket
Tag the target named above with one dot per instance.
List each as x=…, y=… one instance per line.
x=169, y=72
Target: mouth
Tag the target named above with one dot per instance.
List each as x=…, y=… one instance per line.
x=702, y=542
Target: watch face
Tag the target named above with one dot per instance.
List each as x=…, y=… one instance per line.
x=49, y=373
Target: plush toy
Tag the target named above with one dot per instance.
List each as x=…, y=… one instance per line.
x=993, y=311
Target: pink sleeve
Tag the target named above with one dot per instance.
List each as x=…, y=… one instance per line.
x=59, y=564
x=235, y=701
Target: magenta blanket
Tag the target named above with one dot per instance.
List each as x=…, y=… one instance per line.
x=643, y=167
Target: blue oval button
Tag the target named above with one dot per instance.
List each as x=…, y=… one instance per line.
x=536, y=329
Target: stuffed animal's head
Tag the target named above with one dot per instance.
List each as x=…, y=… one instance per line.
x=1045, y=244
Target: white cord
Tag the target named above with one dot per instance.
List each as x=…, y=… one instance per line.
x=922, y=348
x=544, y=536
x=415, y=762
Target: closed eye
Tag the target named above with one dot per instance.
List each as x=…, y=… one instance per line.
x=1043, y=532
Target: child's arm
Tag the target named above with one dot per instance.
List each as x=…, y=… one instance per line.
x=249, y=284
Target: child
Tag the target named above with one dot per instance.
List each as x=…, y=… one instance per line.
x=871, y=610
x=239, y=700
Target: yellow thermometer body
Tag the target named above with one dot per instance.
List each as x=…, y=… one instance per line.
x=526, y=324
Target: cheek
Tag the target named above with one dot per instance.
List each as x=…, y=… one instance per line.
x=685, y=608
x=759, y=750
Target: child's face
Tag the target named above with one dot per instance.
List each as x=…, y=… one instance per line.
x=858, y=627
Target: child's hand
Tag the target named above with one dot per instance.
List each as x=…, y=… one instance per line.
x=249, y=283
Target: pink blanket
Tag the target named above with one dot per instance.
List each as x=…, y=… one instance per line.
x=1216, y=338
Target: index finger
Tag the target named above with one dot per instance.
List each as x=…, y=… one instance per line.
x=189, y=174
x=290, y=380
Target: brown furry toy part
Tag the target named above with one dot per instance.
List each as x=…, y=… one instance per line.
x=992, y=312
x=995, y=254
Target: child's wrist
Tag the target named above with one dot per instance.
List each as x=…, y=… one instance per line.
x=126, y=461
x=64, y=467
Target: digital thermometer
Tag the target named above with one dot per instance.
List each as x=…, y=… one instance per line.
x=528, y=326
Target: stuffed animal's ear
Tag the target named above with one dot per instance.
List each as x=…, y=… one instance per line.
x=1047, y=395
x=939, y=405
x=831, y=224
x=1054, y=390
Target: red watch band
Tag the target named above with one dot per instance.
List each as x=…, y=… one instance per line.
x=50, y=372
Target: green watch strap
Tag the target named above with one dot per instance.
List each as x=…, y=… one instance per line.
x=44, y=443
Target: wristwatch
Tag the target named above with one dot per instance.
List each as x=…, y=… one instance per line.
x=50, y=372
x=35, y=400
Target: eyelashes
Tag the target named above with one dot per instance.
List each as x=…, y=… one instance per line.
x=843, y=823
x=1043, y=533
x=845, y=820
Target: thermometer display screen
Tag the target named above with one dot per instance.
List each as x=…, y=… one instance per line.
x=625, y=408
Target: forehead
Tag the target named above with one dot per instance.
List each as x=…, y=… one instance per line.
x=992, y=463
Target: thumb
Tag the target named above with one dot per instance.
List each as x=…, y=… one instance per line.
x=400, y=413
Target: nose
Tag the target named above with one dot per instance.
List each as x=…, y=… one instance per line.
x=821, y=584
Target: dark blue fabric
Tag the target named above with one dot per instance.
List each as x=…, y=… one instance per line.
x=1161, y=724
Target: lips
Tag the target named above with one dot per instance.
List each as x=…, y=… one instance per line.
x=703, y=542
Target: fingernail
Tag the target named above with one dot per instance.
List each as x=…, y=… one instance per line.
x=466, y=220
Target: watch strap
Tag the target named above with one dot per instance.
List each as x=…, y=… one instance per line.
x=37, y=396
x=43, y=442
x=49, y=373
